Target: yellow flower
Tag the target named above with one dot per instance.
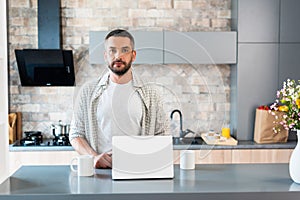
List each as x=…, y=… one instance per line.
x=284, y=108
x=298, y=102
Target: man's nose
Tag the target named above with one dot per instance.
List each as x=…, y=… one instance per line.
x=119, y=55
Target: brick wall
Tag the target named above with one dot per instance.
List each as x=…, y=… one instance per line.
x=200, y=91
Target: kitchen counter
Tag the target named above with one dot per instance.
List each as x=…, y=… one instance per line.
x=39, y=148
x=227, y=181
x=182, y=146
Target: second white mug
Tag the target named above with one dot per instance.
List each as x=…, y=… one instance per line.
x=187, y=159
x=85, y=165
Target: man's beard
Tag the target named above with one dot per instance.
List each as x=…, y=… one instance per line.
x=117, y=71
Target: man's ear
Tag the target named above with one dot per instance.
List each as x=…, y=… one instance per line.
x=105, y=56
x=133, y=55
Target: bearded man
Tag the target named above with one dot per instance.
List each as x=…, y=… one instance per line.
x=118, y=103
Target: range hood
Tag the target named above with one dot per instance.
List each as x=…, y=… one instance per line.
x=45, y=67
x=49, y=65
x=49, y=24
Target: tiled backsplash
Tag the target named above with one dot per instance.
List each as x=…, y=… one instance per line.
x=202, y=92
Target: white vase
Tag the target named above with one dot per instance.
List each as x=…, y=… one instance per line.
x=294, y=166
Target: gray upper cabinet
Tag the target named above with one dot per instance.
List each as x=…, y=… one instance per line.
x=173, y=47
x=289, y=62
x=96, y=47
x=149, y=47
x=290, y=21
x=258, y=20
x=200, y=47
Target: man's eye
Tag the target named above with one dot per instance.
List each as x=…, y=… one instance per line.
x=125, y=50
x=112, y=51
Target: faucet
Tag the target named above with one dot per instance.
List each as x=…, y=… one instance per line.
x=180, y=118
x=182, y=133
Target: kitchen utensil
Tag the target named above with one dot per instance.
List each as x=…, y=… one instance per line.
x=60, y=129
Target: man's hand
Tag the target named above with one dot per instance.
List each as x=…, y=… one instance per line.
x=103, y=160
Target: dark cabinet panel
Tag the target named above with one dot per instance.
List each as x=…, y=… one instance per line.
x=289, y=62
x=257, y=78
x=290, y=21
x=258, y=20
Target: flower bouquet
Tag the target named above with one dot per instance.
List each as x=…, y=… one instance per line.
x=288, y=102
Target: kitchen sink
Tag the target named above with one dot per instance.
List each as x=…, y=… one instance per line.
x=187, y=141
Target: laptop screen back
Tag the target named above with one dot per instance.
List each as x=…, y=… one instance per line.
x=142, y=157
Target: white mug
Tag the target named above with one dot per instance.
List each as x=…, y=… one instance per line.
x=85, y=165
x=187, y=159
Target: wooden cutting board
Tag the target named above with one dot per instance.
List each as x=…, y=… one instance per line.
x=230, y=141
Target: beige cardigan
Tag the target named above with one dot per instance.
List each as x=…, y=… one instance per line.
x=84, y=121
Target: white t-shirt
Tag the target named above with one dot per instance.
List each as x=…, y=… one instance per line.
x=119, y=112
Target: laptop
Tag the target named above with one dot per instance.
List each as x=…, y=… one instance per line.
x=142, y=157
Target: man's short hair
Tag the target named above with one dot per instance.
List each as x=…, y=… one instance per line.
x=120, y=33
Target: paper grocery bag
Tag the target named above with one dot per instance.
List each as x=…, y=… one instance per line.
x=12, y=118
x=19, y=132
x=264, y=123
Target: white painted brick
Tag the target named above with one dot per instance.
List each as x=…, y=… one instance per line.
x=126, y=22
x=19, y=3
x=16, y=21
x=137, y=13
x=69, y=13
x=34, y=3
x=24, y=98
x=144, y=22
x=55, y=116
x=183, y=4
x=94, y=3
x=165, y=22
x=147, y=4
x=30, y=108
x=200, y=22
x=75, y=3
x=219, y=23
x=164, y=4
x=20, y=40
x=129, y=4
x=155, y=13
x=28, y=90
x=224, y=14
x=73, y=40
x=80, y=22
x=14, y=89
x=48, y=90
x=111, y=4
x=98, y=13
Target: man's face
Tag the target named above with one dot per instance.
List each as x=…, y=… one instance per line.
x=119, y=54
